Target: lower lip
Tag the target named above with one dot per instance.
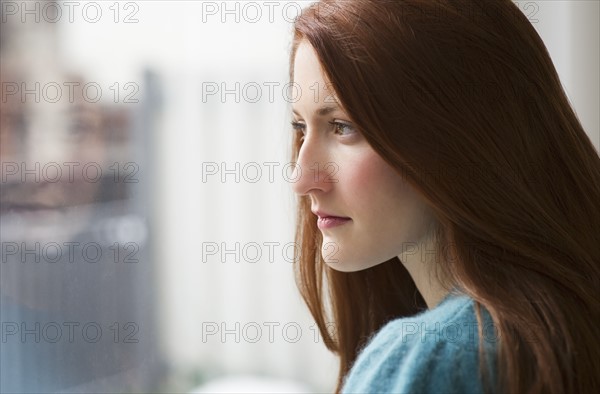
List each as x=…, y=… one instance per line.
x=330, y=222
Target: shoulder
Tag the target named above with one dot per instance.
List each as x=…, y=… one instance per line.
x=436, y=350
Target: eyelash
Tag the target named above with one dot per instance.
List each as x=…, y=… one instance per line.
x=299, y=127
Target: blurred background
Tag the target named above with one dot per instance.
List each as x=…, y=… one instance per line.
x=146, y=208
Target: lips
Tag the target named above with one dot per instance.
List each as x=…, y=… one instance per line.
x=328, y=220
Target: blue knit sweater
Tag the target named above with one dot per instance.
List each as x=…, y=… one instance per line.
x=435, y=351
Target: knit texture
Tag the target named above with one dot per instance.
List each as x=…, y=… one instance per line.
x=435, y=351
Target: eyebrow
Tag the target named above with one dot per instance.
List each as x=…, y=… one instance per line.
x=323, y=111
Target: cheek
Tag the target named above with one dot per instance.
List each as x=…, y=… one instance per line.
x=369, y=182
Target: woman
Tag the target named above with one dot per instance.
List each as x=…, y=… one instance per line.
x=448, y=200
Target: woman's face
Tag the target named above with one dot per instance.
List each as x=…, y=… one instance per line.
x=366, y=212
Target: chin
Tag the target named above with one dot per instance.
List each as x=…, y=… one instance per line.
x=347, y=266
x=341, y=268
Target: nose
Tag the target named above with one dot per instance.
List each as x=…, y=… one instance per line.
x=314, y=171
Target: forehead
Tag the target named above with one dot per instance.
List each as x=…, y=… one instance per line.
x=306, y=63
x=309, y=75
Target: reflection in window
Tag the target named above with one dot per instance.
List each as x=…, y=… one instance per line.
x=76, y=279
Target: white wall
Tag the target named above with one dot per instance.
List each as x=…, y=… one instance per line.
x=571, y=33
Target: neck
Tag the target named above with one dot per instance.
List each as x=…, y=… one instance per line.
x=422, y=268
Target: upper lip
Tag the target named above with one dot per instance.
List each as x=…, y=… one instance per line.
x=322, y=214
x=7, y=207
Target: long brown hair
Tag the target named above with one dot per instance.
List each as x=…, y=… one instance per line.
x=462, y=98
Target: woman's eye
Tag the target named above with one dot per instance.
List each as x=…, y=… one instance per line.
x=299, y=128
x=342, y=128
